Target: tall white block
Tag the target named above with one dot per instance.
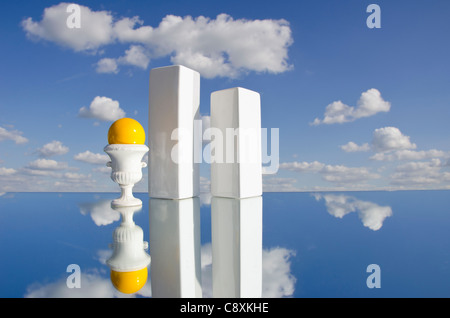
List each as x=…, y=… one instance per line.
x=175, y=248
x=236, y=233
x=174, y=99
x=236, y=167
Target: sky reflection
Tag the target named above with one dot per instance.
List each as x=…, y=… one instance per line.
x=313, y=244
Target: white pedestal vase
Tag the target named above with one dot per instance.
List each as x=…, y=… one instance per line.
x=126, y=163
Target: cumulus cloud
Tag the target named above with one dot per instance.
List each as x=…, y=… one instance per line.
x=101, y=212
x=53, y=148
x=344, y=174
x=353, y=147
x=369, y=104
x=93, y=285
x=136, y=55
x=223, y=46
x=276, y=268
x=102, y=108
x=107, y=65
x=90, y=157
x=303, y=166
x=96, y=29
x=13, y=135
x=390, y=144
x=7, y=171
x=422, y=173
x=272, y=184
x=339, y=174
x=390, y=138
x=47, y=164
x=406, y=154
x=372, y=215
x=277, y=278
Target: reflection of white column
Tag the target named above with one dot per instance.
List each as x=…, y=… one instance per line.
x=236, y=171
x=175, y=248
x=236, y=226
x=174, y=99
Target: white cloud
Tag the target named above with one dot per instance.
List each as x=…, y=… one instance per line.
x=277, y=278
x=47, y=164
x=271, y=184
x=390, y=138
x=302, y=166
x=93, y=285
x=13, y=135
x=96, y=28
x=107, y=65
x=406, y=154
x=353, y=147
x=390, y=144
x=369, y=104
x=53, y=148
x=423, y=173
x=339, y=174
x=101, y=212
x=76, y=177
x=136, y=55
x=7, y=171
x=102, y=108
x=343, y=174
x=224, y=46
x=90, y=157
x=372, y=215
x=215, y=47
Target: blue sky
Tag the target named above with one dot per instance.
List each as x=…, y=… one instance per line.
x=356, y=108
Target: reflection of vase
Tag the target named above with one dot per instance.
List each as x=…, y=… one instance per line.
x=129, y=260
x=129, y=245
x=126, y=167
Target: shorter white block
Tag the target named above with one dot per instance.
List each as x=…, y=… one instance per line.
x=175, y=248
x=174, y=100
x=236, y=232
x=236, y=167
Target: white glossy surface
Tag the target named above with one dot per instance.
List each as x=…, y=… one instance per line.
x=238, y=174
x=175, y=247
x=174, y=98
x=236, y=226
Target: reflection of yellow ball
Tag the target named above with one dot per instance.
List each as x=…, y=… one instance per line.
x=126, y=131
x=129, y=282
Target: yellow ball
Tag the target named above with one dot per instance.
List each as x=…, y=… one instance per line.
x=126, y=131
x=129, y=282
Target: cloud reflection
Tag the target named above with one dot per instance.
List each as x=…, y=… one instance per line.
x=372, y=215
x=277, y=278
x=100, y=211
x=93, y=285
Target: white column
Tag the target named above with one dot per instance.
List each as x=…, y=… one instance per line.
x=174, y=98
x=175, y=248
x=236, y=226
x=236, y=167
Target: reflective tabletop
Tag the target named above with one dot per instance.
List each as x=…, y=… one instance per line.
x=301, y=245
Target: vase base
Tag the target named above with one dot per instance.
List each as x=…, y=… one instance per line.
x=126, y=202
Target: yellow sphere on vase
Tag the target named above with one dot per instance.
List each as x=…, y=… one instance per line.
x=126, y=131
